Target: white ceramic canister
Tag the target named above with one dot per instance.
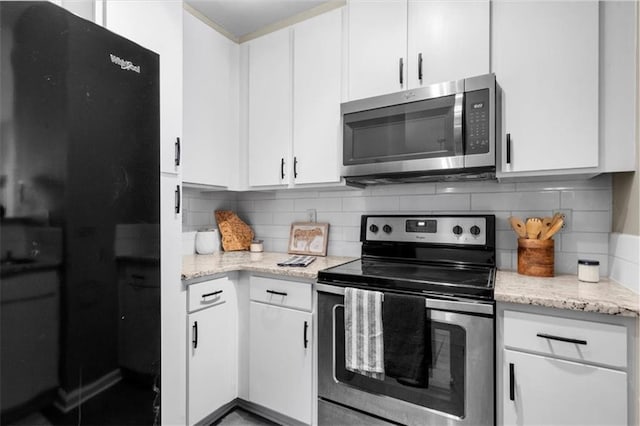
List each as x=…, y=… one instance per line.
x=207, y=242
x=589, y=270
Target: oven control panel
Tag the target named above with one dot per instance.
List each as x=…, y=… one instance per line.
x=467, y=230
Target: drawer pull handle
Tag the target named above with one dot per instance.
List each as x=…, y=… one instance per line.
x=279, y=293
x=215, y=293
x=562, y=339
x=194, y=339
x=305, y=340
x=512, y=388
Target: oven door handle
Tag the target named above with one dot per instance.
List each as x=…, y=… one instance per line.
x=430, y=303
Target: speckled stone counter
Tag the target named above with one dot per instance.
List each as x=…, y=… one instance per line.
x=196, y=266
x=566, y=292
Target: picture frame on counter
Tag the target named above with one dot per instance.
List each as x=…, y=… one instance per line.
x=309, y=238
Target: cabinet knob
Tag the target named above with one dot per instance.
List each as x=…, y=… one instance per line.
x=401, y=70
x=420, y=67
x=282, y=168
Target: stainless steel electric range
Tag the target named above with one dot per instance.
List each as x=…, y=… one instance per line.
x=449, y=261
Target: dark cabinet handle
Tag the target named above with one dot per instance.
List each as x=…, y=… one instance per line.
x=508, y=148
x=177, y=201
x=305, y=340
x=282, y=168
x=295, y=167
x=194, y=339
x=177, y=159
x=215, y=293
x=562, y=339
x=512, y=387
x=420, y=66
x=279, y=293
x=401, y=70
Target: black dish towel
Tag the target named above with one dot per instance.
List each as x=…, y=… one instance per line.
x=407, y=339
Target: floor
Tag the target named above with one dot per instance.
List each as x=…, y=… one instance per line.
x=240, y=417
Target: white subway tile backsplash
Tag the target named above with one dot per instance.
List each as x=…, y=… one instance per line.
x=585, y=242
x=472, y=187
x=541, y=200
x=443, y=202
x=586, y=200
x=591, y=221
x=624, y=260
x=321, y=205
x=273, y=205
x=506, y=240
x=403, y=189
x=587, y=204
x=371, y=204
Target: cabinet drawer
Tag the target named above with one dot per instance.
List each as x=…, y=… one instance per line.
x=291, y=294
x=567, y=338
x=208, y=293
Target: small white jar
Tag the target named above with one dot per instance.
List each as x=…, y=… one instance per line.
x=588, y=270
x=207, y=242
x=256, y=246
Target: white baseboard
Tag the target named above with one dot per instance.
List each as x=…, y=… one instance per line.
x=67, y=401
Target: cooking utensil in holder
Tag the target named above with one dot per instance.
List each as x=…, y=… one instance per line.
x=536, y=257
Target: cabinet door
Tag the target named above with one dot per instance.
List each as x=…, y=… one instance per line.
x=210, y=119
x=447, y=40
x=269, y=108
x=545, y=57
x=316, y=98
x=548, y=391
x=279, y=362
x=157, y=25
x=173, y=300
x=377, y=45
x=212, y=358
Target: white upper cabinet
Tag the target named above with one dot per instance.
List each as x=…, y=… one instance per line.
x=270, y=108
x=545, y=56
x=157, y=25
x=405, y=44
x=211, y=111
x=377, y=47
x=448, y=40
x=317, y=77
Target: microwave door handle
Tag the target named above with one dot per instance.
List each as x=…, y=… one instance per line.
x=457, y=124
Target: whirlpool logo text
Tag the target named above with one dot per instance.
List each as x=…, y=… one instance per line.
x=125, y=65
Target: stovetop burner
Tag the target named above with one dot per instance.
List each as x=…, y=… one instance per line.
x=436, y=255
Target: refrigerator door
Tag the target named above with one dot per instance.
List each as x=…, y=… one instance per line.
x=80, y=127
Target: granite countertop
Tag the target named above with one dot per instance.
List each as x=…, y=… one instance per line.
x=562, y=292
x=566, y=292
x=198, y=265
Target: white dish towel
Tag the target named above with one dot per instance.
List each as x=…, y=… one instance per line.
x=364, y=345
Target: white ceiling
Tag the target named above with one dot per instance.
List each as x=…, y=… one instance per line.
x=242, y=17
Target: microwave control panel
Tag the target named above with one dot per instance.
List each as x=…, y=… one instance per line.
x=476, y=122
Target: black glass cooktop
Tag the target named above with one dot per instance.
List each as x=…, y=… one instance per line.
x=444, y=279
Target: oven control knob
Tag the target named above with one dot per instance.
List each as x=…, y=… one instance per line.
x=387, y=229
x=373, y=228
x=457, y=230
x=475, y=231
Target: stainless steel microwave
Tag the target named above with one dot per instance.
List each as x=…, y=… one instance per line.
x=444, y=131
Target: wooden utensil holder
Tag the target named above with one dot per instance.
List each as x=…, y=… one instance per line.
x=535, y=257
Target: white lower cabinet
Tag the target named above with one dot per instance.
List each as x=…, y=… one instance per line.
x=280, y=358
x=558, y=367
x=212, y=360
x=550, y=391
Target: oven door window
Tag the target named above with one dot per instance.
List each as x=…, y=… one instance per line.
x=423, y=129
x=445, y=390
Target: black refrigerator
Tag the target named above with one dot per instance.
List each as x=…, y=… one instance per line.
x=79, y=222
